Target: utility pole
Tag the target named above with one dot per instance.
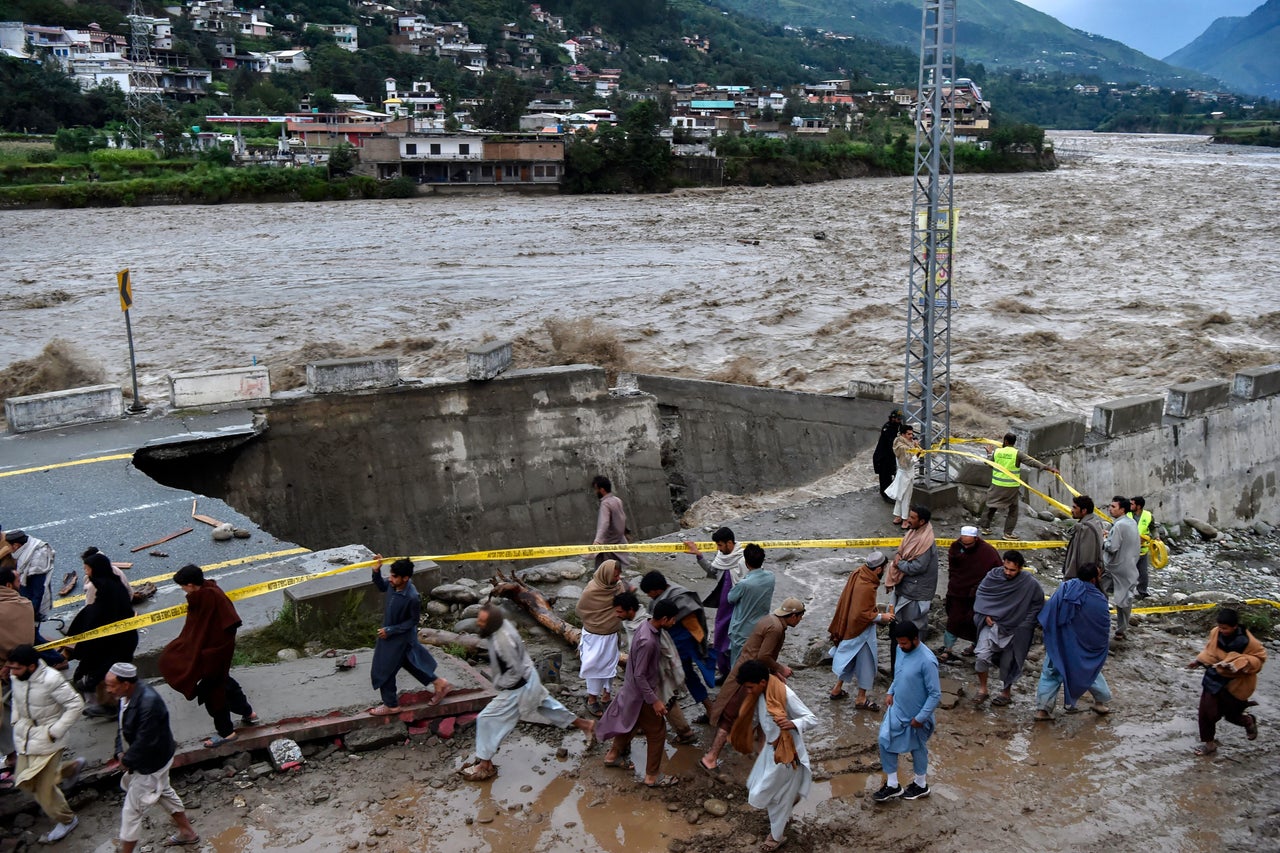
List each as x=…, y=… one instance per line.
x=927, y=386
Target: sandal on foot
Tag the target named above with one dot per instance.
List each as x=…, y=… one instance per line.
x=218, y=740
x=178, y=840
x=1205, y=749
x=440, y=693
x=384, y=711
x=979, y=698
x=1001, y=700
x=710, y=771
x=1043, y=716
x=770, y=844
x=474, y=773
x=843, y=694
x=686, y=738
x=621, y=762
x=867, y=705
x=250, y=719
x=947, y=656
x=1251, y=727
x=595, y=709
x=664, y=781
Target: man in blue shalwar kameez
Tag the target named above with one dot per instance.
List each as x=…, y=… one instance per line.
x=908, y=717
x=398, y=647
x=1076, y=623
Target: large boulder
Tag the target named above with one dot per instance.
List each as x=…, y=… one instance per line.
x=455, y=593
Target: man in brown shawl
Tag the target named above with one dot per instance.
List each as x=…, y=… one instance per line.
x=598, y=648
x=763, y=645
x=853, y=632
x=968, y=561
x=197, y=663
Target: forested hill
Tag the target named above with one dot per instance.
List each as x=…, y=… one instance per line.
x=1244, y=52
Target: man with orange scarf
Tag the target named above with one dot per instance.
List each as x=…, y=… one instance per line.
x=912, y=575
x=773, y=717
x=1232, y=660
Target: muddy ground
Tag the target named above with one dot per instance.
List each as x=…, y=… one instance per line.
x=999, y=780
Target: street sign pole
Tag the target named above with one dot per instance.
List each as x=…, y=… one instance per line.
x=126, y=300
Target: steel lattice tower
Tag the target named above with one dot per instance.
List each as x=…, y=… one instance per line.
x=927, y=392
x=144, y=104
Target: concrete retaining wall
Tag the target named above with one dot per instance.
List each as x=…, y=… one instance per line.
x=445, y=468
x=86, y=405
x=216, y=387
x=743, y=439
x=1207, y=455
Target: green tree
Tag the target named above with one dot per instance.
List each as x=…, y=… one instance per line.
x=342, y=160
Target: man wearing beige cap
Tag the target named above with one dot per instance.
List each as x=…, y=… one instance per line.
x=763, y=645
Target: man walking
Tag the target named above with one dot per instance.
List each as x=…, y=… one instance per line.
x=521, y=695
x=883, y=460
x=689, y=634
x=1143, y=518
x=1232, y=659
x=1087, y=538
x=728, y=569
x=913, y=572
x=611, y=522
x=853, y=632
x=197, y=663
x=1006, y=489
x=17, y=627
x=1076, y=623
x=398, y=646
x=33, y=560
x=45, y=707
x=781, y=775
x=1120, y=554
x=640, y=705
x=752, y=599
x=598, y=647
x=1006, y=613
x=145, y=749
x=764, y=645
x=969, y=559
x=908, y=719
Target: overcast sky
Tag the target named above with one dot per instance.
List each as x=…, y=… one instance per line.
x=1155, y=27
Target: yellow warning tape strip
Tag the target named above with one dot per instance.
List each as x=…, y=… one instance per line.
x=239, y=561
x=155, y=617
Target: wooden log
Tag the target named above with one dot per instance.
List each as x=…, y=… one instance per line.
x=435, y=637
x=536, y=604
x=182, y=532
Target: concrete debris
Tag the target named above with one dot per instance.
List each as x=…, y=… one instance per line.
x=286, y=754
x=1206, y=530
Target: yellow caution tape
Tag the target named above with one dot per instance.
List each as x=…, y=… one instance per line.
x=239, y=561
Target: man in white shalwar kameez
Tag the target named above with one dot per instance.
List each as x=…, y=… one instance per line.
x=521, y=695
x=777, y=723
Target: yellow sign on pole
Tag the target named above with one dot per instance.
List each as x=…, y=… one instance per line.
x=126, y=289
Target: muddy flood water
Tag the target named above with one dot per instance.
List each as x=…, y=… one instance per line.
x=1143, y=261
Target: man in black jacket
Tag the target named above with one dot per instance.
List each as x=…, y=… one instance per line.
x=145, y=748
x=886, y=466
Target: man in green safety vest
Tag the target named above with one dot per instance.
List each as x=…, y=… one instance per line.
x=1143, y=517
x=1006, y=490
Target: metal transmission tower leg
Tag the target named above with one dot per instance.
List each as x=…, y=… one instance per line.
x=927, y=392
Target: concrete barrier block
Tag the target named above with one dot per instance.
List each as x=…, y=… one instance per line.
x=1054, y=434
x=329, y=597
x=1256, y=382
x=874, y=389
x=86, y=405
x=488, y=360
x=1195, y=398
x=1128, y=414
x=211, y=387
x=352, y=374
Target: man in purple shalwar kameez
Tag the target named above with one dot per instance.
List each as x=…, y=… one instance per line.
x=728, y=569
x=638, y=705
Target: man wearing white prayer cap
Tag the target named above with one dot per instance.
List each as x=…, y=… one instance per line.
x=968, y=561
x=145, y=749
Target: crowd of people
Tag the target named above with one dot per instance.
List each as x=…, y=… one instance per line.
x=730, y=665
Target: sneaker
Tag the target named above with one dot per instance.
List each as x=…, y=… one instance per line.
x=915, y=792
x=888, y=793
x=62, y=830
x=986, y=531
x=1013, y=537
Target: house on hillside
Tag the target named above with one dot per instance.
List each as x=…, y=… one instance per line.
x=513, y=160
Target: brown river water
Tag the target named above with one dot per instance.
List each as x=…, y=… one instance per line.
x=1142, y=262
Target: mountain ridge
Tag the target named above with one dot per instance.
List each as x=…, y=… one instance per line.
x=1240, y=50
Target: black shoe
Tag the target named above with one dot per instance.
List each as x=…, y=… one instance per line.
x=1142, y=595
x=887, y=793
x=915, y=792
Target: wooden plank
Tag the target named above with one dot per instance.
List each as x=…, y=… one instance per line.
x=212, y=522
x=183, y=532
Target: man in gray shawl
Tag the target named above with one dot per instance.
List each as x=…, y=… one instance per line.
x=1006, y=612
x=520, y=695
x=1120, y=556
